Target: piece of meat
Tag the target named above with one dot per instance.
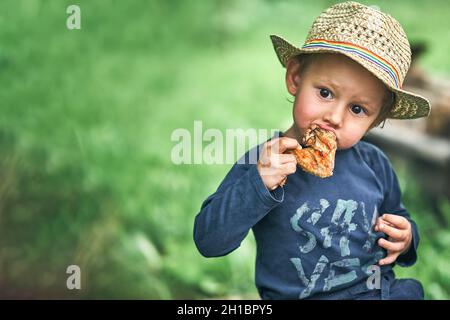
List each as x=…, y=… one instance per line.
x=317, y=156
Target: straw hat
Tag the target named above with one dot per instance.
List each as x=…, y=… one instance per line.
x=370, y=37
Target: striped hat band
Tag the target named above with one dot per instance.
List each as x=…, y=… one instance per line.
x=364, y=53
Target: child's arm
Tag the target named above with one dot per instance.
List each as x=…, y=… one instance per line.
x=403, y=236
x=242, y=199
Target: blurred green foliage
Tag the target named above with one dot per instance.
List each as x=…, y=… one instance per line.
x=85, y=126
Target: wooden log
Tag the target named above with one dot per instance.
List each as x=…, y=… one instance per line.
x=427, y=157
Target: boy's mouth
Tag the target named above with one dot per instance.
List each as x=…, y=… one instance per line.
x=328, y=128
x=325, y=127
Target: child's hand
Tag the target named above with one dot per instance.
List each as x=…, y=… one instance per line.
x=274, y=166
x=400, y=236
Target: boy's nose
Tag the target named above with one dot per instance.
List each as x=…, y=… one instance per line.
x=334, y=115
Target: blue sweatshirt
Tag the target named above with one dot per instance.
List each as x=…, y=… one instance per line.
x=314, y=236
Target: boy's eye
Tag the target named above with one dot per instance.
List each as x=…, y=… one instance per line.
x=325, y=93
x=358, y=110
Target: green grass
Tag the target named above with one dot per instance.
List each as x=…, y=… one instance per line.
x=85, y=126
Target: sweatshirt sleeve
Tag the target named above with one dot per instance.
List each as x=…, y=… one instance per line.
x=392, y=204
x=227, y=215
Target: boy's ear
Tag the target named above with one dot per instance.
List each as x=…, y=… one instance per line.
x=292, y=76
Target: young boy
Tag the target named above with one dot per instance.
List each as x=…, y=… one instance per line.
x=337, y=237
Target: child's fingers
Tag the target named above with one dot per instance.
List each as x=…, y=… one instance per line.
x=286, y=158
x=282, y=144
x=381, y=221
x=392, y=232
x=278, y=161
x=264, y=157
x=391, y=257
x=392, y=246
x=398, y=221
x=269, y=145
x=289, y=168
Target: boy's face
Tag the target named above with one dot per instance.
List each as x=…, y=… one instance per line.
x=337, y=94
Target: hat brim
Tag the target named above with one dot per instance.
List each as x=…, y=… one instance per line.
x=407, y=105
